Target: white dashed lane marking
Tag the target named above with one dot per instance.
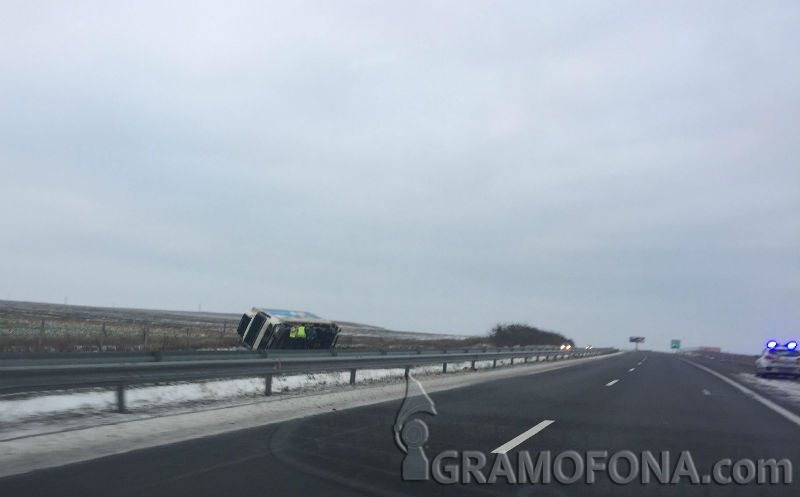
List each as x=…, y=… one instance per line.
x=522, y=437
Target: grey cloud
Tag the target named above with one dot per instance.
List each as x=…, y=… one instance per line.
x=604, y=170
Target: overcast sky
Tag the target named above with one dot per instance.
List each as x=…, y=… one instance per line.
x=602, y=169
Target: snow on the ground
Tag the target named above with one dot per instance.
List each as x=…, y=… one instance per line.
x=44, y=412
x=782, y=388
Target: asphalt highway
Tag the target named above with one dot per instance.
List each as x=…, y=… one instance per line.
x=634, y=402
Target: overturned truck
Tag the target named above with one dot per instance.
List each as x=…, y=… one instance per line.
x=262, y=329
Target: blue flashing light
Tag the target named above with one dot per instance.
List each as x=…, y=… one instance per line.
x=791, y=345
x=772, y=344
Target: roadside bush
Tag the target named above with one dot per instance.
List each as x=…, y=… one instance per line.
x=508, y=335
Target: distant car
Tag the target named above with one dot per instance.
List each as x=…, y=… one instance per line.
x=779, y=360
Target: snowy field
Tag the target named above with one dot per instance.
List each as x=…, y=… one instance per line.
x=25, y=415
x=781, y=388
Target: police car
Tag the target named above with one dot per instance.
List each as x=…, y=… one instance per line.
x=778, y=360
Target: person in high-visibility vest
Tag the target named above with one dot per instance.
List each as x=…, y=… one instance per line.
x=301, y=332
x=293, y=332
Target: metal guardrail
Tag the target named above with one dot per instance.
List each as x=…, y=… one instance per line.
x=47, y=372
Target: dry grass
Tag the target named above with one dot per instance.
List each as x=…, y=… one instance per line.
x=78, y=328
x=24, y=334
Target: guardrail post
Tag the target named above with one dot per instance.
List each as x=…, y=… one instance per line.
x=353, y=376
x=121, y=398
x=444, y=367
x=473, y=365
x=405, y=375
x=268, y=385
x=525, y=360
x=494, y=363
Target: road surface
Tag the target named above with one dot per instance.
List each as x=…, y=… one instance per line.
x=637, y=401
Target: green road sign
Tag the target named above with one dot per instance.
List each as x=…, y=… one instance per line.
x=675, y=344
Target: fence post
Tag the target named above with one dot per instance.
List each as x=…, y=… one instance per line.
x=103, y=337
x=41, y=336
x=268, y=385
x=144, y=337
x=444, y=367
x=494, y=363
x=405, y=375
x=353, y=376
x=473, y=365
x=121, y=398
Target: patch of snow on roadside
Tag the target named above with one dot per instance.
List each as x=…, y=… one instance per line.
x=102, y=402
x=785, y=389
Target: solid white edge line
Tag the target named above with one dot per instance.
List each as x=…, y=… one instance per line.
x=611, y=383
x=794, y=418
x=522, y=437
